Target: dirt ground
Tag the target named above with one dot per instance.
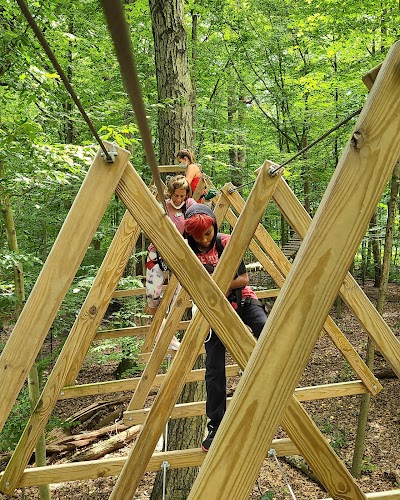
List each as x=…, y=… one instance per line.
x=336, y=418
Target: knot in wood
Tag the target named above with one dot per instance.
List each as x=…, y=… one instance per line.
x=357, y=139
x=93, y=310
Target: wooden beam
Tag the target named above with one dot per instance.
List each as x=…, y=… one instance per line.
x=155, y=358
x=93, y=469
x=56, y=276
x=350, y=291
x=133, y=331
x=184, y=410
x=313, y=282
x=130, y=384
x=207, y=302
x=77, y=344
x=334, y=332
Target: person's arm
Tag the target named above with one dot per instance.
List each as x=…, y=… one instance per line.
x=239, y=281
x=191, y=172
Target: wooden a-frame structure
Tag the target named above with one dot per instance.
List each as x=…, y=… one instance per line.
x=266, y=396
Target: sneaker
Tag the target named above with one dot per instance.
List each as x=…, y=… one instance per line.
x=205, y=445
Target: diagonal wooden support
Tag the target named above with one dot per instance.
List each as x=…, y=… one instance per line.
x=283, y=265
x=350, y=291
x=296, y=319
x=209, y=304
x=76, y=346
x=56, y=276
x=177, y=310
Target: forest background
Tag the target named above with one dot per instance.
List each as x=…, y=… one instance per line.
x=267, y=78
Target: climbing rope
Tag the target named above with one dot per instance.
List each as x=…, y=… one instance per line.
x=272, y=453
x=119, y=31
x=28, y=16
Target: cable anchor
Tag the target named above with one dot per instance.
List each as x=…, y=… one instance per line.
x=110, y=156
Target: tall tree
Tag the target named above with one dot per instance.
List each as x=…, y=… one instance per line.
x=175, y=119
x=174, y=87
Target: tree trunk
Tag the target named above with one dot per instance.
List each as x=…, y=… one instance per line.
x=387, y=256
x=175, y=119
x=33, y=377
x=175, y=94
x=376, y=251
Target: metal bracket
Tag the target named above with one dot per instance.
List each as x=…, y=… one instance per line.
x=111, y=155
x=273, y=170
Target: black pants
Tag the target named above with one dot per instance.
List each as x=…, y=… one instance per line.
x=254, y=316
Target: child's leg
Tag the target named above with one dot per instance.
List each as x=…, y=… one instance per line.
x=215, y=380
x=154, y=283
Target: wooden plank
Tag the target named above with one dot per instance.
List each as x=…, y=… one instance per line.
x=93, y=469
x=133, y=331
x=184, y=410
x=350, y=291
x=158, y=318
x=298, y=315
x=334, y=332
x=130, y=384
x=56, y=276
x=381, y=495
x=144, y=357
x=77, y=344
x=197, y=331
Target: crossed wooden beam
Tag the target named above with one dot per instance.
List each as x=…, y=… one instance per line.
x=265, y=397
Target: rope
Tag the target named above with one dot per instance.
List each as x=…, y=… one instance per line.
x=272, y=453
x=113, y=11
x=328, y=132
x=165, y=464
x=338, y=125
x=53, y=59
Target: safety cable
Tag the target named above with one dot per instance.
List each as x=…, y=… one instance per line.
x=118, y=28
x=165, y=464
x=328, y=132
x=273, y=171
x=272, y=453
x=28, y=16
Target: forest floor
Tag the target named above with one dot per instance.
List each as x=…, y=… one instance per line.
x=336, y=418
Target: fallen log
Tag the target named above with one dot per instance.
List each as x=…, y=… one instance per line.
x=100, y=449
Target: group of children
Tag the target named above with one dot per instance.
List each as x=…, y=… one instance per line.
x=197, y=223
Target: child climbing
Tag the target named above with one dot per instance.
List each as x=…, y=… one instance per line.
x=208, y=244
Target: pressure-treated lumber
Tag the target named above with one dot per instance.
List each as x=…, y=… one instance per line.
x=296, y=319
x=94, y=469
x=76, y=346
x=350, y=290
x=184, y=410
x=133, y=331
x=159, y=315
x=195, y=335
x=283, y=266
x=130, y=384
x=56, y=276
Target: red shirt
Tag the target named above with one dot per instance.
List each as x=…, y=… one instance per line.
x=211, y=257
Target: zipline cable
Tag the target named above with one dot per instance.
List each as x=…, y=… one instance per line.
x=319, y=139
x=118, y=28
x=328, y=132
x=53, y=59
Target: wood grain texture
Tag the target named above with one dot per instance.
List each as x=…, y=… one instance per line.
x=56, y=276
x=313, y=282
